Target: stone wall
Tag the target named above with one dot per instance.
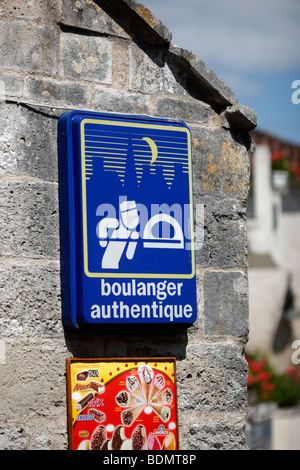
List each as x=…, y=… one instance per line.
x=114, y=57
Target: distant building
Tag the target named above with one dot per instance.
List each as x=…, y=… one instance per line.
x=274, y=249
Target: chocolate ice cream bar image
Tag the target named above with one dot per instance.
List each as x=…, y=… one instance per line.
x=98, y=438
x=106, y=445
x=82, y=376
x=98, y=387
x=118, y=438
x=82, y=404
x=98, y=415
x=139, y=438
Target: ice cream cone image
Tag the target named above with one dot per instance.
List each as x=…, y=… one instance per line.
x=130, y=415
x=146, y=376
x=159, y=383
x=125, y=399
x=165, y=397
x=134, y=387
x=162, y=411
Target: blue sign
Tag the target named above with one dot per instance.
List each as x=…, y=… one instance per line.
x=126, y=214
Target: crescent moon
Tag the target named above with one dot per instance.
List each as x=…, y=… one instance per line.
x=153, y=147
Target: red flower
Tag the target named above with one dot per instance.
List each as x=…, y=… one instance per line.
x=256, y=367
x=251, y=380
x=266, y=386
x=291, y=371
x=277, y=156
x=264, y=376
x=263, y=362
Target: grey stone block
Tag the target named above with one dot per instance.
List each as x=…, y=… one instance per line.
x=34, y=10
x=88, y=15
x=217, y=93
x=30, y=212
x=85, y=57
x=137, y=21
x=36, y=391
x=19, y=51
x=224, y=241
x=239, y=117
x=107, y=99
x=213, y=378
x=226, y=304
x=223, y=435
x=30, y=299
x=189, y=111
x=220, y=164
x=10, y=85
x=52, y=91
x=28, y=142
x=155, y=24
x=150, y=73
x=22, y=9
x=13, y=437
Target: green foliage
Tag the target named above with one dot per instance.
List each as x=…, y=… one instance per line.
x=285, y=393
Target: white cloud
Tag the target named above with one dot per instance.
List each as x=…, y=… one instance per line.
x=242, y=35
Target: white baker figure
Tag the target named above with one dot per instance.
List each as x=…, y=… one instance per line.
x=123, y=238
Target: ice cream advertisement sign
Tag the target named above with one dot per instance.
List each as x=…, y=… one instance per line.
x=122, y=404
x=126, y=210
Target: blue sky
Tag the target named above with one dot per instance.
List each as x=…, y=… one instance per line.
x=253, y=46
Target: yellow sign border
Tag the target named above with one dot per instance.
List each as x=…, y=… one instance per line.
x=84, y=211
